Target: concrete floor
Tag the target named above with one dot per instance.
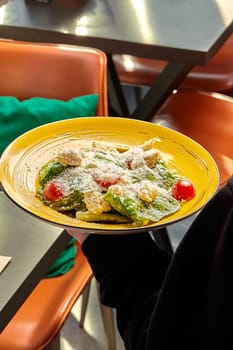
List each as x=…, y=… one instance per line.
x=92, y=335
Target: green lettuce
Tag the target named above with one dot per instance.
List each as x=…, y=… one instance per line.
x=50, y=170
x=140, y=212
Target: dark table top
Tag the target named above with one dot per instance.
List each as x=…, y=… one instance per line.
x=33, y=245
x=185, y=31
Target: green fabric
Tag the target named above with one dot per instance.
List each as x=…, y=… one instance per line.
x=64, y=262
x=17, y=117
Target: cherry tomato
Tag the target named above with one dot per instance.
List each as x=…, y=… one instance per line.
x=183, y=189
x=106, y=183
x=52, y=191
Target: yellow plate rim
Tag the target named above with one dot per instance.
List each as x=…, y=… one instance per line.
x=102, y=127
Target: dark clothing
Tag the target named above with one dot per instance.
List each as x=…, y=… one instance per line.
x=185, y=302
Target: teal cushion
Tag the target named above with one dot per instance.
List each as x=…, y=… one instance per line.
x=64, y=262
x=17, y=117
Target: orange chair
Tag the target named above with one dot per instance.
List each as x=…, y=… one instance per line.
x=61, y=72
x=216, y=76
x=205, y=117
x=37, y=323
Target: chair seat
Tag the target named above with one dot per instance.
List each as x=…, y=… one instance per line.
x=205, y=117
x=216, y=76
x=40, y=318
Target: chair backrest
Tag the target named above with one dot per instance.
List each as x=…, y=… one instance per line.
x=205, y=117
x=52, y=71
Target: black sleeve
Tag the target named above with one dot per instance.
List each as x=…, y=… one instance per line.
x=130, y=270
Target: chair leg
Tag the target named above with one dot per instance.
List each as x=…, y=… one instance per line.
x=109, y=324
x=85, y=298
x=161, y=237
x=138, y=93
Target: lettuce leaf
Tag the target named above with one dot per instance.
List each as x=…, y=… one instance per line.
x=143, y=213
x=50, y=170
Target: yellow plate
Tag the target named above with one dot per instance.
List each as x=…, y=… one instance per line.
x=23, y=158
